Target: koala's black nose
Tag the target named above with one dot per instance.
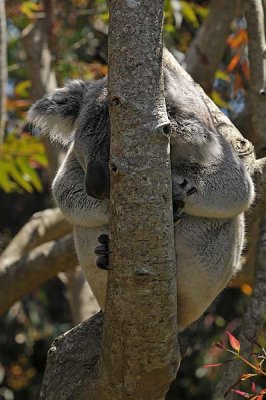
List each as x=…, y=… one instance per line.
x=97, y=180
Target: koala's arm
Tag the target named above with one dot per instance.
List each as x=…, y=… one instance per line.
x=223, y=189
x=70, y=195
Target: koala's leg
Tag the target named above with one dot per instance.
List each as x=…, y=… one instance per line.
x=179, y=198
x=86, y=239
x=208, y=253
x=70, y=195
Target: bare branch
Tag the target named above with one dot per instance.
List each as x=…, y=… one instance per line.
x=25, y=274
x=42, y=227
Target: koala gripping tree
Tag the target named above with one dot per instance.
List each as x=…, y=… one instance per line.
x=140, y=354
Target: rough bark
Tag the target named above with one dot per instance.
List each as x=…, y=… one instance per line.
x=28, y=272
x=204, y=55
x=71, y=359
x=3, y=69
x=140, y=351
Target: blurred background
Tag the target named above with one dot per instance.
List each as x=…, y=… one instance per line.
x=44, y=44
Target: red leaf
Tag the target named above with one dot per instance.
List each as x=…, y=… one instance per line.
x=253, y=387
x=233, y=341
x=233, y=63
x=238, y=39
x=212, y=365
x=243, y=394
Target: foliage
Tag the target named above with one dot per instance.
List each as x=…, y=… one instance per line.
x=255, y=367
x=19, y=158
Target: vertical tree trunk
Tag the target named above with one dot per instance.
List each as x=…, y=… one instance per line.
x=140, y=351
x=257, y=60
x=3, y=69
x=43, y=80
x=36, y=42
x=205, y=54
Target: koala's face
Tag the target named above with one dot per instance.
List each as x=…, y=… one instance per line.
x=78, y=114
x=192, y=141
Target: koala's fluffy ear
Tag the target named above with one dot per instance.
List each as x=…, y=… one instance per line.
x=56, y=113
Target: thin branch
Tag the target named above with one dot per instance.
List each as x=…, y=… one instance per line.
x=42, y=227
x=24, y=275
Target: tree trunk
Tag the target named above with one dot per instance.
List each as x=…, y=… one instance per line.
x=42, y=76
x=140, y=351
x=36, y=41
x=3, y=69
x=257, y=60
x=204, y=55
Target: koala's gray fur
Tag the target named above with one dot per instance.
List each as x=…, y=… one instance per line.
x=210, y=231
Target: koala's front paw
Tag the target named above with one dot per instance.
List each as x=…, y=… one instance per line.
x=180, y=192
x=102, y=251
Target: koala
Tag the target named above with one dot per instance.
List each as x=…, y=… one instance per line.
x=211, y=188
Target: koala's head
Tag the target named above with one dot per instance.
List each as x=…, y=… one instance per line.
x=78, y=114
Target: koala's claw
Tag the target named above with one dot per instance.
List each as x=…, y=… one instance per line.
x=179, y=199
x=102, y=251
x=191, y=191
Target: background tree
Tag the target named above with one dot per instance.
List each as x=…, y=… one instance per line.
x=3, y=69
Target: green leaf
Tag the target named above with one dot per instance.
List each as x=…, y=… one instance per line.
x=28, y=8
x=22, y=89
x=189, y=14
x=16, y=175
x=29, y=174
x=216, y=97
x=5, y=183
x=41, y=159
